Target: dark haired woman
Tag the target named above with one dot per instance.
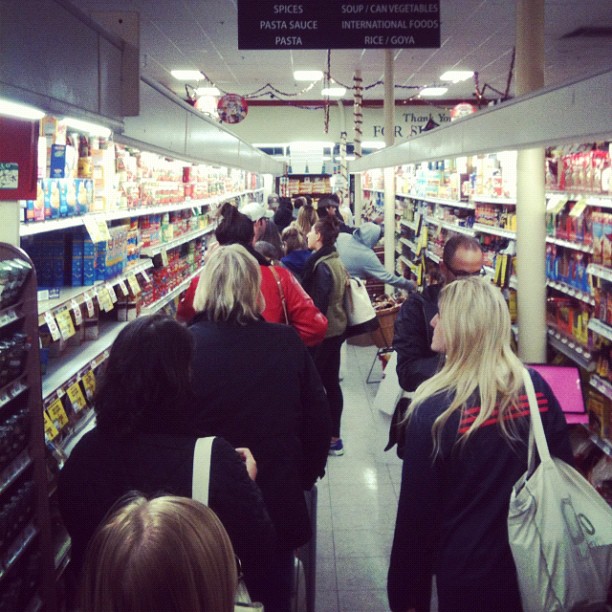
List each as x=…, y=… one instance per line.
x=325, y=281
x=144, y=441
x=286, y=301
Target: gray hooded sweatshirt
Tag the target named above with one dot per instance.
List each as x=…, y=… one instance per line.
x=359, y=259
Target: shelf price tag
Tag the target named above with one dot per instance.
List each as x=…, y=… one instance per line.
x=111, y=292
x=96, y=228
x=51, y=431
x=76, y=312
x=52, y=325
x=89, y=383
x=133, y=283
x=76, y=397
x=123, y=288
x=66, y=326
x=57, y=414
x=104, y=299
x=91, y=311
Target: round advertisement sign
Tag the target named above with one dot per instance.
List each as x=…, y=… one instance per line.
x=232, y=108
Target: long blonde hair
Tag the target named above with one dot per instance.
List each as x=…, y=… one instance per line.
x=167, y=554
x=229, y=288
x=306, y=218
x=479, y=357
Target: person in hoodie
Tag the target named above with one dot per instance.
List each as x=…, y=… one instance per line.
x=296, y=251
x=359, y=259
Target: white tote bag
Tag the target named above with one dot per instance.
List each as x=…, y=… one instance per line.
x=360, y=313
x=560, y=530
x=200, y=484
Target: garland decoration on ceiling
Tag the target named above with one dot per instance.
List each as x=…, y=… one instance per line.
x=357, y=113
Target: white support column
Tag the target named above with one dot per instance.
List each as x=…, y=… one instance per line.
x=531, y=200
x=358, y=126
x=389, y=174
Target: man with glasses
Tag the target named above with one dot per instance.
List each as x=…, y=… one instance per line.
x=416, y=361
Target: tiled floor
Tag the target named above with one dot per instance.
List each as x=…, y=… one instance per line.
x=357, y=499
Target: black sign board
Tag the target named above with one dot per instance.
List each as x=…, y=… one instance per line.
x=337, y=24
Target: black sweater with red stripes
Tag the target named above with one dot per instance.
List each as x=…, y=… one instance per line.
x=452, y=512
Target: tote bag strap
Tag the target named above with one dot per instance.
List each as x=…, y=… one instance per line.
x=536, y=430
x=201, y=469
x=281, y=292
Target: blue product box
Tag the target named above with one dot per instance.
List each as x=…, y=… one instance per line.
x=58, y=161
x=63, y=193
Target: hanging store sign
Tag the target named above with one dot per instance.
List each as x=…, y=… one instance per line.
x=334, y=24
x=232, y=108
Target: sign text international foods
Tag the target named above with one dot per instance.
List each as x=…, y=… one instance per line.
x=338, y=24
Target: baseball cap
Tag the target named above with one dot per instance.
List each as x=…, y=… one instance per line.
x=256, y=211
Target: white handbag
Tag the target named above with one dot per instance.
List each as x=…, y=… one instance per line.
x=560, y=530
x=360, y=314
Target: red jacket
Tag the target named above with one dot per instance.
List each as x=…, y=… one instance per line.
x=304, y=316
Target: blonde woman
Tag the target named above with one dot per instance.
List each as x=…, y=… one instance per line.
x=306, y=218
x=168, y=554
x=465, y=447
x=255, y=382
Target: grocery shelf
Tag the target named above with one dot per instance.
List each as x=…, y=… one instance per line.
x=602, y=385
x=411, y=224
x=571, y=291
x=14, y=470
x=600, y=328
x=176, y=242
x=494, y=200
x=67, y=294
x=53, y=225
x=600, y=272
x=601, y=443
x=75, y=359
x=480, y=228
x=87, y=423
x=409, y=244
x=17, y=548
x=446, y=202
x=159, y=304
x=576, y=246
x=571, y=349
x=450, y=226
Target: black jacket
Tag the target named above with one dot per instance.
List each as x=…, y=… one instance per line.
x=416, y=361
x=256, y=386
x=453, y=510
x=101, y=469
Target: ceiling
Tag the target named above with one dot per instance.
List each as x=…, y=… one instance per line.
x=475, y=34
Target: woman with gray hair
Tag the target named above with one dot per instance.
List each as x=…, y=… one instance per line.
x=255, y=382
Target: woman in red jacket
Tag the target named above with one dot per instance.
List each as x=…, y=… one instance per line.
x=286, y=301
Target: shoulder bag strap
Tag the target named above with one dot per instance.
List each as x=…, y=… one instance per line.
x=536, y=430
x=201, y=469
x=282, y=293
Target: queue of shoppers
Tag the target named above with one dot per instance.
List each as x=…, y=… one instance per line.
x=254, y=366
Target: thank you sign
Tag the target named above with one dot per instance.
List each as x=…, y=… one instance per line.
x=337, y=24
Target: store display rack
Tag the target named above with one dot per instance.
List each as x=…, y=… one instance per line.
x=25, y=546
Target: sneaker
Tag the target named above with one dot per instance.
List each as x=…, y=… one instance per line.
x=336, y=448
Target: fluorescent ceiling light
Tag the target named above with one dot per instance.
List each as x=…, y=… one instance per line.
x=456, y=76
x=307, y=75
x=432, y=92
x=336, y=92
x=85, y=126
x=207, y=91
x=187, y=75
x=307, y=145
x=21, y=111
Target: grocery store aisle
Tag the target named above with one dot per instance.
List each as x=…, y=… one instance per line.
x=357, y=499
